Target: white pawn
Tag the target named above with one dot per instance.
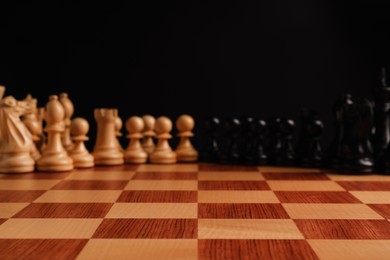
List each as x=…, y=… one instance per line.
x=163, y=152
x=134, y=152
x=79, y=154
x=148, y=133
x=54, y=157
x=185, y=152
x=118, y=133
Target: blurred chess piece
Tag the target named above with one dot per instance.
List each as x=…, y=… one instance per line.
x=185, y=152
x=31, y=121
x=54, y=157
x=2, y=91
x=163, y=152
x=134, y=152
x=118, y=133
x=106, y=150
x=15, y=139
x=79, y=154
x=69, y=110
x=41, y=144
x=148, y=133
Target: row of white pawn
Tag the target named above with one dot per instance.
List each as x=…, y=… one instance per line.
x=107, y=150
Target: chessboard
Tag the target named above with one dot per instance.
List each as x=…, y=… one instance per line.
x=194, y=211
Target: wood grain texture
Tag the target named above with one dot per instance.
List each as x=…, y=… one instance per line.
x=372, y=197
x=37, y=176
x=236, y=196
x=365, y=185
x=233, y=185
x=65, y=210
x=344, y=229
x=188, y=167
x=8, y=210
x=153, y=210
x=90, y=185
x=382, y=209
x=248, y=229
x=166, y=176
x=19, y=196
x=158, y=196
x=351, y=249
x=101, y=175
x=2, y=220
x=48, y=228
x=230, y=176
x=79, y=196
x=221, y=167
x=226, y=249
x=41, y=248
x=125, y=167
x=238, y=210
x=294, y=176
x=330, y=211
x=27, y=184
x=172, y=249
x=147, y=185
x=147, y=228
x=316, y=197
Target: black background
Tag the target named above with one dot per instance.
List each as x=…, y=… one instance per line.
x=231, y=58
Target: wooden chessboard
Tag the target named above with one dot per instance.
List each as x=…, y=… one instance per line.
x=194, y=211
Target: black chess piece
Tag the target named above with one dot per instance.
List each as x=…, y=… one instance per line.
x=335, y=150
x=255, y=152
x=286, y=155
x=309, y=150
x=210, y=150
x=232, y=151
x=381, y=136
x=274, y=144
x=247, y=139
x=356, y=154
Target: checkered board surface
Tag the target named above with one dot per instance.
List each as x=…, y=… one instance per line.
x=194, y=211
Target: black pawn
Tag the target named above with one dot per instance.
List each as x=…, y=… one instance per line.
x=274, y=145
x=210, y=150
x=255, y=153
x=232, y=150
x=286, y=156
x=309, y=150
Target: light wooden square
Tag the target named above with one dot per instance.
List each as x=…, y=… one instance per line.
x=230, y=176
x=351, y=249
x=370, y=177
x=330, y=211
x=7, y=210
x=27, y=184
x=49, y=228
x=304, y=186
x=248, y=229
x=372, y=197
x=286, y=169
x=153, y=210
x=236, y=196
x=168, y=168
x=162, y=185
x=79, y=196
x=140, y=249
x=101, y=175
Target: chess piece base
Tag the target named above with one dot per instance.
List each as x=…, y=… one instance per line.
x=55, y=163
x=186, y=155
x=136, y=156
x=83, y=161
x=163, y=157
x=17, y=164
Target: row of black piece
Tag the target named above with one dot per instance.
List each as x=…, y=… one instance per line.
x=361, y=141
